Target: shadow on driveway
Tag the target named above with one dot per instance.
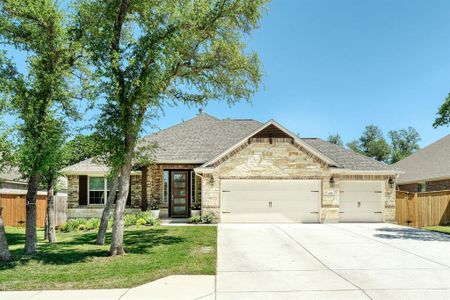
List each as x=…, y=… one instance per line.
x=411, y=234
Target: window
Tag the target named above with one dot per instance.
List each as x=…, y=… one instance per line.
x=422, y=187
x=96, y=190
x=166, y=187
x=192, y=187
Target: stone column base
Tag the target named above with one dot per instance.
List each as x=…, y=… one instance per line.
x=212, y=210
x=329, y=215
x=389, y=214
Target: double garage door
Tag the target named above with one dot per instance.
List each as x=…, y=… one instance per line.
x=270, y=201
x=297, y=201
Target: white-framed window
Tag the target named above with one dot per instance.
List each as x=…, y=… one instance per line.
x=166, y=187
x=192, y=187
x=99, y=189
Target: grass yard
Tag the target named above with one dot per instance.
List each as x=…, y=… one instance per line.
x=443, y=229
x=75, y=262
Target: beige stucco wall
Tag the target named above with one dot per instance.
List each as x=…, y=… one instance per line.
x=261, y=160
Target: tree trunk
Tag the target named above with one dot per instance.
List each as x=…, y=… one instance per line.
x=51, y=227
x=4, y=251
x=30, y=231
x=106, y=211
x=124, y=182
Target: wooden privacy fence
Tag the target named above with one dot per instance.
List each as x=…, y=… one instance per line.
x=423, y=209
x=14, y=209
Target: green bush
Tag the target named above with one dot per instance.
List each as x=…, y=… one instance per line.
x=195, y=219
x=137, y=219
x=208, y=218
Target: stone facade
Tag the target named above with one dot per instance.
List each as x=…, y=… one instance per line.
x=72, y=191
x=260, y=159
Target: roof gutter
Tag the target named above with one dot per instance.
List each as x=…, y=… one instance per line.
x=364, y=172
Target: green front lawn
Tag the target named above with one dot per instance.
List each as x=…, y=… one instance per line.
x=75, y=262
x=443, y=229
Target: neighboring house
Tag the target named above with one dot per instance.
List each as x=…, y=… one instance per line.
x=11, y=183
x=245, y=171
x=428, y=169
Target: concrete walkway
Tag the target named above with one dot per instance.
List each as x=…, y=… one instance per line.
x=339, y=261
x=171, y=287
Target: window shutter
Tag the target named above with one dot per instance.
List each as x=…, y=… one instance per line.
x=129, y=195
x=83, y=190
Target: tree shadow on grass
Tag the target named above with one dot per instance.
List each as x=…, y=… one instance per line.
x=411, y=234
x=81, y=247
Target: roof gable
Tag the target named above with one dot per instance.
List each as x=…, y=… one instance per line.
x=271, y=129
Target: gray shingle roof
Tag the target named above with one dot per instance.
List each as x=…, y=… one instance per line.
x=204, y=137
x=87, y=166
x=11, y=174
x=199, y=139
x=347, y=159
x=431, y=162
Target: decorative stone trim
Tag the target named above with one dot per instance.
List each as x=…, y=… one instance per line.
x=310, y=154
x=271, y=140
x=230, y=154
x=330, y=205
x=273, y=177
x=366, y=177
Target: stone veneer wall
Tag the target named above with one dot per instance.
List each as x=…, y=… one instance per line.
x=72, y=191
x=283, y=160
x=259, y=160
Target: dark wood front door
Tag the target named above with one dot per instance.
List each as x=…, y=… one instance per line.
x=180, y=194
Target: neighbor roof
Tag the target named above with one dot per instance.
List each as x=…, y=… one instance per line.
x=11, y=174
x=204, y=137
x=429, y=163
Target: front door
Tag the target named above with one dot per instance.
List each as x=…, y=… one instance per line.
x=180, y=194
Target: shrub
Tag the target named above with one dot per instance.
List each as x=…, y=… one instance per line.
x=195, y=219
x=196, y=206
x=208, y=218
x=137, y=219
x=141, y=221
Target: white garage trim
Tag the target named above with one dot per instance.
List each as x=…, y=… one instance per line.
x=361, y=201
x=270, y=201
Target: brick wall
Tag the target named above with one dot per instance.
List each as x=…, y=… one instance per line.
x=440, y=185
x=431, y=186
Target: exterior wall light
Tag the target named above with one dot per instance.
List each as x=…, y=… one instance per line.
x=332, y=182
x=391, y=183
x=212, y=180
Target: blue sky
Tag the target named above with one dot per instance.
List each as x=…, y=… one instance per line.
x=336, y=66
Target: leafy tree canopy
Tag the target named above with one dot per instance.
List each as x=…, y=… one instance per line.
x=371, y=144
x=404, y=142
x=443, y=114
x=335, y=139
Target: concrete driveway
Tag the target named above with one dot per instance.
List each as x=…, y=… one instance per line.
x=331, y=261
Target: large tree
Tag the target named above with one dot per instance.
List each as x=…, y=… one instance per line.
x=404, y=142
x=147, y=52
x=443, y=113
x=40, y=94
x=371, y=144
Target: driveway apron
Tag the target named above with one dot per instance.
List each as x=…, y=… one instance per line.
x=324, y=261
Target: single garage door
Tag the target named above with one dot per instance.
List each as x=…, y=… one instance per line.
x=270, y=201
x=361, y=201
